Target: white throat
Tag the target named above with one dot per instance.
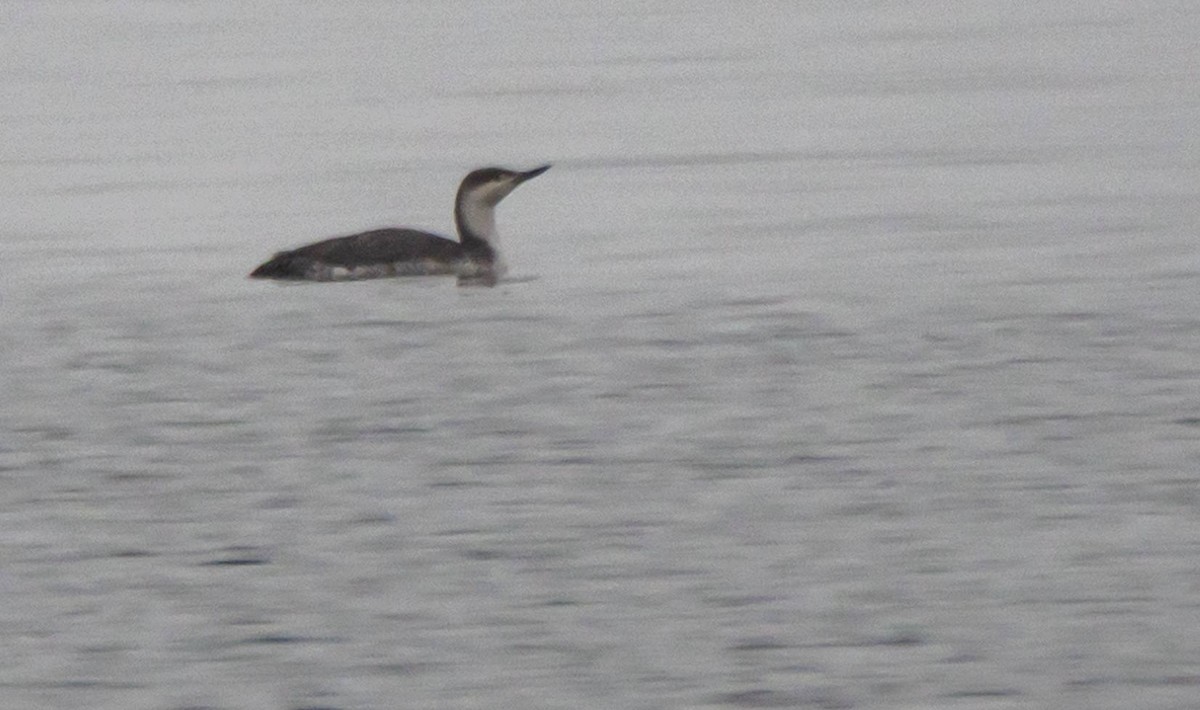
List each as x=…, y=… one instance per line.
x=478, y=214
x=479, y=218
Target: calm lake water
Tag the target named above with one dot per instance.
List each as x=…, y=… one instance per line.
x=853, y=358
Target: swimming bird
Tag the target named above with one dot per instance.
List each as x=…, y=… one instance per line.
x=474, y=258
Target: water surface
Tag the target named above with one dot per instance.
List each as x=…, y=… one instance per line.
x=853, y=363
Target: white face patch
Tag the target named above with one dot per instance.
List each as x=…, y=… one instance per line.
x=497, y=190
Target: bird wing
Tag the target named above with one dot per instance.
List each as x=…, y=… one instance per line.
x=380, y=246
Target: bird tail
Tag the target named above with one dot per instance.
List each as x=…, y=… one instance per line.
x=281, y=266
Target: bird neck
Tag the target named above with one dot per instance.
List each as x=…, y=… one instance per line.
x=476, y=220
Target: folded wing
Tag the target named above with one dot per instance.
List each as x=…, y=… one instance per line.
x=374, y=254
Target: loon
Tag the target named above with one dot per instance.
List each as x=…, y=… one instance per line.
x=379, y=253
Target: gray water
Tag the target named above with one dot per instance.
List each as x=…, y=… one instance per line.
x=852, y=359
